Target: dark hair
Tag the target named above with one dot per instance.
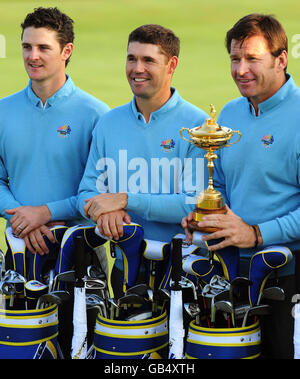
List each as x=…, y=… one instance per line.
x=259, y=24
x=157, y=35
x=54, y=19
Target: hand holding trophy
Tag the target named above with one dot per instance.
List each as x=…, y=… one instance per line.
x=209, y=136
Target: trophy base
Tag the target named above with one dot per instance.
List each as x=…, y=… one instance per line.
x=198, y=213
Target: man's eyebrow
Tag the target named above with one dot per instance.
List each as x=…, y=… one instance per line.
x=148, y=57
x=40, y=44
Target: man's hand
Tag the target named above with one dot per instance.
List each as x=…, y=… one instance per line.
x=104, y=203
x=232, y=228
x=34, y=240
x=184, y=224
x=28, y=218
x=111, y=224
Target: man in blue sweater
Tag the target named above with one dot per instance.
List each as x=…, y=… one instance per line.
x=46, y=131
x=259, y=176
x=138, y=162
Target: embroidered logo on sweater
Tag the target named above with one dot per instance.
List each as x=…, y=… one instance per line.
x=64, y=131
x=267, y=140
x=168, y=144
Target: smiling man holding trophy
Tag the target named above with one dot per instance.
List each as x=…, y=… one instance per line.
x=259, y=176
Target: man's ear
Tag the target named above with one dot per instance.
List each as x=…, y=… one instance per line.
x=282, y=60
x=67, y=51
x=173, y=63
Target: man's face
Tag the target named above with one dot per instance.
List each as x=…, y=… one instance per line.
x=256, y=72
x=148, y=70
x=42, y=54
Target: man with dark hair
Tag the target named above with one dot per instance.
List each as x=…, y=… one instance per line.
x=46, y=131
x=157, y=35
x=138, y=161
x=257, y=24
x=53, y=19
x=259, y=176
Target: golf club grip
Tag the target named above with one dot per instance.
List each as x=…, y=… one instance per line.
x=79, y=258
x=176, y=259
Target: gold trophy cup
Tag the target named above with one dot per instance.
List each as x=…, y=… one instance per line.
x=211, y=137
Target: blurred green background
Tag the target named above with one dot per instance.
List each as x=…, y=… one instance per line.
x=101, y=31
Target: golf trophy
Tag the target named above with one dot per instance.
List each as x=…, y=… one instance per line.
x=211, y=137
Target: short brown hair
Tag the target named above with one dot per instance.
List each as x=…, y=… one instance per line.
x=259, y=24
x=54, y=19
x=157, y=35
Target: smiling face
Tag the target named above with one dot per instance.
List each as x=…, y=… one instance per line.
x=256, y=72
x=44, y=58
x=149, y=71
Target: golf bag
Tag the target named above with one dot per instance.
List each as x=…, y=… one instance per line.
x=219, y=343
x=26, y=332
x=31, y=334
x=116, y=339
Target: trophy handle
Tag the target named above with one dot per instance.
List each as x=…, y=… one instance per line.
x=181, y=130
x=232, y=143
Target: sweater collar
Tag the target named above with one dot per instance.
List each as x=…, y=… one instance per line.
x=277, y=98
x=64, y=91
x=170, y=104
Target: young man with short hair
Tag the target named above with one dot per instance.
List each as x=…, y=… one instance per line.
x=138, y=162
x=46, y=131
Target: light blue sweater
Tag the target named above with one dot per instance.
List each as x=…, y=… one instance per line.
x=43, y=151
x=130, y=155
x=260, y=175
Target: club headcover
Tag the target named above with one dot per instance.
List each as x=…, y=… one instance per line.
x=199, y=266
x=65, y=259
x=262, y=264
x=20, y=254
x=229, y=258
x=131, y=245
